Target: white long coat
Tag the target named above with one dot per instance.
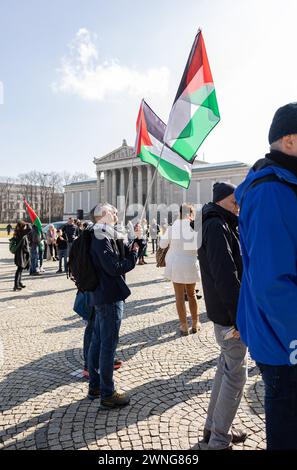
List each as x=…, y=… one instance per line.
x=181, y=260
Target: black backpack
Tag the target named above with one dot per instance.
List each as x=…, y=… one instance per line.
x=80, y=266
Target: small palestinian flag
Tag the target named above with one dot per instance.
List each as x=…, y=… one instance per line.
x=149, y=147
x=33, y=217
x=195, y=110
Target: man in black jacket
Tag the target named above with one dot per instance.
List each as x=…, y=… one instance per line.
x=221, y=271
x=69, y=232
x=34, y=240
x=112, y=260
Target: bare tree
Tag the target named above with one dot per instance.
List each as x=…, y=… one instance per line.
x=77, y=177
x=66, y=178
x=43, y=191
x=6, y=204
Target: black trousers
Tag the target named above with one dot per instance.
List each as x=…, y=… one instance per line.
x=18, y=277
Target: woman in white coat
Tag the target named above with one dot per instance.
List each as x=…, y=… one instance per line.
x=182, y=266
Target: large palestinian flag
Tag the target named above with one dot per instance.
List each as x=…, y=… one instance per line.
x=33, y=217
x=195, y=110
x=149, y=147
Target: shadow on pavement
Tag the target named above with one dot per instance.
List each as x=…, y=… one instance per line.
x=155, y=397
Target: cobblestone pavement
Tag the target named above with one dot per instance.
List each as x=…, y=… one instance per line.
x=43, y=397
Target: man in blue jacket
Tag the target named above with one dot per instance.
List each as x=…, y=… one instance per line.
x=112, y=260
x=267, y=309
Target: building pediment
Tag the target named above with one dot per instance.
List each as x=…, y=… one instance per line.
x=122, y=153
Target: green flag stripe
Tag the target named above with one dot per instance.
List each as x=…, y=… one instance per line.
x=38, y=224
x=167, y=170
x=198, y=128
x=200, y=96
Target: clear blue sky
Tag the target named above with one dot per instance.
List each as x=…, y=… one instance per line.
x=74, y=73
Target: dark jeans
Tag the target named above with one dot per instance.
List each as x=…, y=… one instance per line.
x=40, y=256
x=69, y=248
x=88, y=337
x=104, y=342
x=62, y=254
x=18, y=277
x=142, y=247
x=34, y=260
x=280, y=406
x=154, y=244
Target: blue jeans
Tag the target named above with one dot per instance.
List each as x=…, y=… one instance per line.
x=104, y=342
x=62, y=254
x=280, y=406
x=88, y=338
x=34, y=260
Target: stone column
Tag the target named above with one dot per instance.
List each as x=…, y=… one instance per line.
x=98, y=186
x=160, y=197
x=131, y=188
x=149, y=182
x=106, y=185
x=139, y=185
x=113, y=188
x=198, y=191
x=122, y=182
x=171, y=194
x=89, y=200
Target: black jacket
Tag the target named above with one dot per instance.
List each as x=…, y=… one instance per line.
x=112, y=259
x=34, y=238
x=220, y=264
x=61, y=243
x=22, y=255
x=69, y=232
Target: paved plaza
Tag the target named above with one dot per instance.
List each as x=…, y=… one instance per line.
x=43, y=397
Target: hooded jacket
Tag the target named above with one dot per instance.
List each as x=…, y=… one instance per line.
x=220, y=264
x=267, y=309
x=112, y=259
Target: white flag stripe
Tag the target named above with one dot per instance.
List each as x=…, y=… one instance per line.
x=168, y=155
x=185, y=111
x=179, y=115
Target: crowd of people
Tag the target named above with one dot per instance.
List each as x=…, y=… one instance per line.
x=55, y=244
x=33, y=247
x=247, y=262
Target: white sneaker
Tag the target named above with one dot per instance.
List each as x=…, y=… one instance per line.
x=41, y=270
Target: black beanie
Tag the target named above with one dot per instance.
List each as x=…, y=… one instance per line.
x=284, y=122
x=222, y=190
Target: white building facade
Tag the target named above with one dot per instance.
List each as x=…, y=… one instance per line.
x=120, y=173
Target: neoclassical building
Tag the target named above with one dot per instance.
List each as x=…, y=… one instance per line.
x=120, y=169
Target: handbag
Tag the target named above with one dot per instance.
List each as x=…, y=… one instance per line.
x=81, y=305
x=160, y=257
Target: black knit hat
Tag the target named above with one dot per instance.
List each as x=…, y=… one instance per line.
x=222, y=190
x=284, y=122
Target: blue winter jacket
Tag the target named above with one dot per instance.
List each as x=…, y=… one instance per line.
x=267, y=308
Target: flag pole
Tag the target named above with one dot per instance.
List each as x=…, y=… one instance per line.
x=128, y=189
x=152, y=182
x=131, y=174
